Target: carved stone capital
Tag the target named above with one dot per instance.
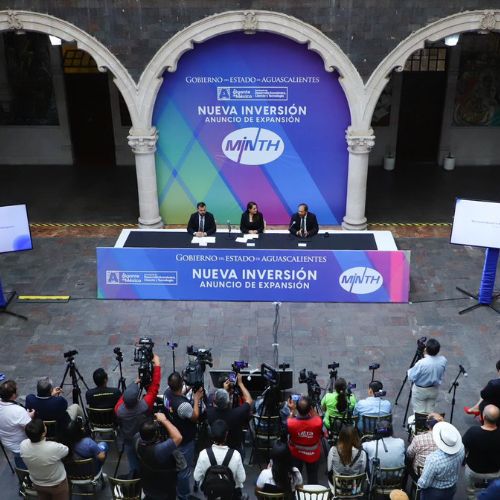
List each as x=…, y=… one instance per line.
x=143, y=144
x=13, y=21
x=488, y=22
x=360, y=141
x=250, y=23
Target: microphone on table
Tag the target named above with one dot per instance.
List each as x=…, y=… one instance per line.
x=462, y=369
x=229, y=228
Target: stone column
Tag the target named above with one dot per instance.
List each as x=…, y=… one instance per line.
x=144, y=147
x=359, y=145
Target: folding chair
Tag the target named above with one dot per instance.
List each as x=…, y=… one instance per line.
x=348, y=486
x=125, y=489
x=81, y=473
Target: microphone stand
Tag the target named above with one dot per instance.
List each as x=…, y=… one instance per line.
x=453, y=387
x=172, y=346
x=229, y=235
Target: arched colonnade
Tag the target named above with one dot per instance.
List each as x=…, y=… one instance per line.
x=361, y=96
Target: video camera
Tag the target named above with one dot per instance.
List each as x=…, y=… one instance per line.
x=70, y=355
x=237, y=366
x=313, y=387
x=193, y=373
x=143, y=354
x=421, y=344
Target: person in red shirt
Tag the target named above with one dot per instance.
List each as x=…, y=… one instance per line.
x=304, y=437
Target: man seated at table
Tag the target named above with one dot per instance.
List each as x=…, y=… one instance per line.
x=304, y=223
x=201, y=223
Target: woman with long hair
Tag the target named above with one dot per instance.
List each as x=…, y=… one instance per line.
x=280, y=476
x=252, y=221
x=347, y=458
x=338, y=404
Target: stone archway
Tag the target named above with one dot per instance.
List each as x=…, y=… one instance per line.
x=167, y=57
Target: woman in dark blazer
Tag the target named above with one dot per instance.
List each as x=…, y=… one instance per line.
x=252, y=221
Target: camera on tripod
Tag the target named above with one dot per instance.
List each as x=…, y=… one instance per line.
x=119, y=354
x=70, y=355
x=194, y=371
x=421, y=345
x=143, y=354
x=313, y=387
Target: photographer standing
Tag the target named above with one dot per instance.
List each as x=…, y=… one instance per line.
x=184, y=417
x=156, y=456
x=235, y=418
x=132, y=412
x=427, y=375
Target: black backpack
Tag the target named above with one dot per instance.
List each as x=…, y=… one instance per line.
x=219, y=480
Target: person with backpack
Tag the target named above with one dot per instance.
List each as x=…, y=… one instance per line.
x=219, y=469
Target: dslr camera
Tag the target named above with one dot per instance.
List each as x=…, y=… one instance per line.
x=421, y=344
x=194, y=371
x=143, y=355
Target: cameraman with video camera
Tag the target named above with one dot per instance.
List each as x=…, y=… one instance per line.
x=235, y=418
x=131, y=411
x=156, y=457
x=184, y=417
x=426, y=376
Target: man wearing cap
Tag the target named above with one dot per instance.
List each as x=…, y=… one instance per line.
x=482, y=445
x=131, y=412
x=440, y=475
x=235, y=418
x=426, y=376
x=422, y=445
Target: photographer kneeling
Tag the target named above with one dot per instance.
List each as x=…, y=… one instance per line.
x=235, y=418
x=184, y=417
x=156, y=456
x=131, y=412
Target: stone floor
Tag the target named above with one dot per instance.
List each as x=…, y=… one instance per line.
x=311, y=335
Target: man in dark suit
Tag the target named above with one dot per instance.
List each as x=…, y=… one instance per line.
x=304, y=223
x=201, y=223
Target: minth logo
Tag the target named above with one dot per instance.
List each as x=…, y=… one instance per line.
x=361, y=280
x=253, y=146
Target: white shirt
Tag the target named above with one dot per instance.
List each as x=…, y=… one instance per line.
x=235, y=464
x=13, y=418
x=428, y=372
x=266, y=477
x=43, y=460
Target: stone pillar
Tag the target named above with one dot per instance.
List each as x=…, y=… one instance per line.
x=359, y=145
x=144, y=147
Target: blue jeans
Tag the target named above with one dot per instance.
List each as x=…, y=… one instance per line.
x=133, y=461
x=184, y=476
x=19, y=461
x=438, y=494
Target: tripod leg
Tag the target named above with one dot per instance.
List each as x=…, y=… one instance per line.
x=119, y=459
x=407, y=407
x=7, y=458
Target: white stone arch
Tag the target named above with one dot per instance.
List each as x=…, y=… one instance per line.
x=478, y=20
x=19, y=20
x=168, y=55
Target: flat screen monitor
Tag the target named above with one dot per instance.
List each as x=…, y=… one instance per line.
x=15, y=232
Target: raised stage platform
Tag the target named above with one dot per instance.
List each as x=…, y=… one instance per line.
x=335, y=266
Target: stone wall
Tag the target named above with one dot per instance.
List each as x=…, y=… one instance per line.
x=134, y=30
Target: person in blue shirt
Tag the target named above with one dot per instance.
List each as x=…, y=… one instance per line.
x=492, y=492
x=426, y=376
x=82, y=446
x=372, y=405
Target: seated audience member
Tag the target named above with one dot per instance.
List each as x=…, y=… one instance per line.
x=440, y=475
x=81, y=445
x=220, y=454
x=347, y=458
x=304, y=437
x=44, y=461
x=280, y=476
x=490, y=395
x=422, y=444
x=372, y=406
x=252, y=221
x=50, y=405
x=392, y=454
x=102, y=396
x=235, y=418
x=156, y=458
x=482, y=450
x=131, y=412
x=492, y=492
x=338, y=404
x=13, y=418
